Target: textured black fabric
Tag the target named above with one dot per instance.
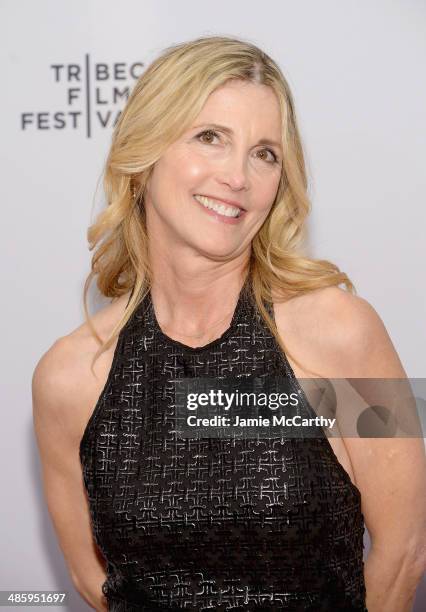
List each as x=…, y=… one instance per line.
x=214, y=524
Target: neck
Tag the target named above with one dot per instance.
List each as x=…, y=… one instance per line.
x=197, y=297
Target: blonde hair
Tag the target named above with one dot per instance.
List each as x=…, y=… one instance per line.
x=163, y=104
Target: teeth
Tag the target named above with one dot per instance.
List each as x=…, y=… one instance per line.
x=227, y=211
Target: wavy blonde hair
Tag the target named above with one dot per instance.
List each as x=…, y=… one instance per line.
x=162, y=106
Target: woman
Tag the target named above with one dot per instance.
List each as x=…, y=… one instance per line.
x=200, y=248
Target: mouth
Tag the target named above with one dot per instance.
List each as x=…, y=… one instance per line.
x=219, y=207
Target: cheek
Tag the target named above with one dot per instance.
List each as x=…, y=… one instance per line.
x=274, y=186
x=187, y=167
x=265, y=196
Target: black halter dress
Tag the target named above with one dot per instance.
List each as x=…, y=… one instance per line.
x=214, y=524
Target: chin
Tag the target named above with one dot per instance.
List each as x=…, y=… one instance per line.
x=215, y=250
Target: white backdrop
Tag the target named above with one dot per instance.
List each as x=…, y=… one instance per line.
x=355, y=69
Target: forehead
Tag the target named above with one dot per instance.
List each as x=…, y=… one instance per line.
x=241, y=102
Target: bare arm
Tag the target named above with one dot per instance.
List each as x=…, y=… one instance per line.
x=390, y=473
x=58, y=395
x=341, y=337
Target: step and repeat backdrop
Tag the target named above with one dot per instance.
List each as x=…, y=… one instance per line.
x=354, y=68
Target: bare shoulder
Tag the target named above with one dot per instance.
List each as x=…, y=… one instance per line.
x=337, y=334
x=63, y=385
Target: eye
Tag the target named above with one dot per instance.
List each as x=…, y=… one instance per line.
x=274, y=157
x=209, y=133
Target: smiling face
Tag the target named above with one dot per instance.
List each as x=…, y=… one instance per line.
x=213, y=188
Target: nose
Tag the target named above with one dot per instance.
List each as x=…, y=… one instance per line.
x=234, y=172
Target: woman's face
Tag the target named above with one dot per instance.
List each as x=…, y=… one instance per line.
x=232, y=152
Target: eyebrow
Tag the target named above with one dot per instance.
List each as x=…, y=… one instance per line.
x=228, y=130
